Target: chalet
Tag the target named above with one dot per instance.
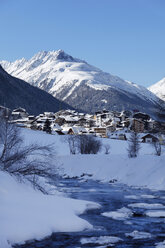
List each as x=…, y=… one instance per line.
x=102, y=116
x=19, y=113
x=77, y=130
x=71, y=120
x=49, y=115
x=60, y=120
x=82, y=121
x=120, y=136
x=141, y=116
x=149, y=138
x=31, y=117
x=101, y=131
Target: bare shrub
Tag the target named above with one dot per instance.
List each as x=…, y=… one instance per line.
x=133, y=145
x=72, y=142
x=107, y=148
x=22, y=161
x=88, y=144
x=157, y=147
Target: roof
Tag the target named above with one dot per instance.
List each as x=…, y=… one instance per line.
x=77, y=130
x=149, y=136
x=74, y=119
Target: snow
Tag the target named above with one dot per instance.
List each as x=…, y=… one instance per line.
x=36, y=215
x=137, y=197
x=155, y=213
x=138, y=235
x=60, y=71
x=133, y=197
x=148, y=196
x=27, y=214
x=147, y=170
x=120, y=214
x=147, y=205
x=109, y=240
x=158, y=88
x=104, y=100
x=160, y=244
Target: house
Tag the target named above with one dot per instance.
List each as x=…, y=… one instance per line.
x=77, y=130
x=149, y=138
x=138, y=126
x=19, y=113
x=71, y=120
x=118, y=135
x=60, y=120
x=101, y=131
x=141, y=116
x=102, y=116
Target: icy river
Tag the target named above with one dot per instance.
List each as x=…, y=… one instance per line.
x=128, y=217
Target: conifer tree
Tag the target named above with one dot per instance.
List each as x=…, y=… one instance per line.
x=47, y=127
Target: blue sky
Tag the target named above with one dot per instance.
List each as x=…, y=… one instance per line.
x=122, y=37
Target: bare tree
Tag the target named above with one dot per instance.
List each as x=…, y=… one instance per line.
x=107, y=148
x=23, y=161
x=157, y=147
x=133, y=145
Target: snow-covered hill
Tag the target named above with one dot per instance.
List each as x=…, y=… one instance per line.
x=159, y=89
x=81, y=85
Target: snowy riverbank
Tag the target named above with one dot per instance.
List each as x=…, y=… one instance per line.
x=27, y=214
x=143, y=171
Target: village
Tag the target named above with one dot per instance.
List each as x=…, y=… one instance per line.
x=105, y=124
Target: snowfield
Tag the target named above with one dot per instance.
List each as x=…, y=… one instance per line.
x=27, y=214
x=158, y=88
x=147, y=170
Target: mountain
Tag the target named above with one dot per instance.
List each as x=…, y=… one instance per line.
x=15, y=93
x=159, y=89
x=81, y=85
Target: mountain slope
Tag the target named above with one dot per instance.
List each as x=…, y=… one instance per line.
x=158, y=89
x=79, y=84
x=17, y=93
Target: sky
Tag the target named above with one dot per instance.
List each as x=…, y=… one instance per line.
x=123, y=37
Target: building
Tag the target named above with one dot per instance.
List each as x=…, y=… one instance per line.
x=101, y=131
x=138, y=126
x=149, y=138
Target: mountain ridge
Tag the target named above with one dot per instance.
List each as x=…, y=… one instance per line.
x=16, y=93
x=70, y=79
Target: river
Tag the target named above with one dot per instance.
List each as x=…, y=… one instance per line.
x=130, y=224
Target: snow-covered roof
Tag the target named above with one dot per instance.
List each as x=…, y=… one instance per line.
x=55, y=127
x=72, y=119
x=78, y=130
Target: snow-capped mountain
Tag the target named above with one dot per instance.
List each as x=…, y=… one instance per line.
x=79, y=84
x=159, y=89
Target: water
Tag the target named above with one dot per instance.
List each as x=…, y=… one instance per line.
x=111, y=197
